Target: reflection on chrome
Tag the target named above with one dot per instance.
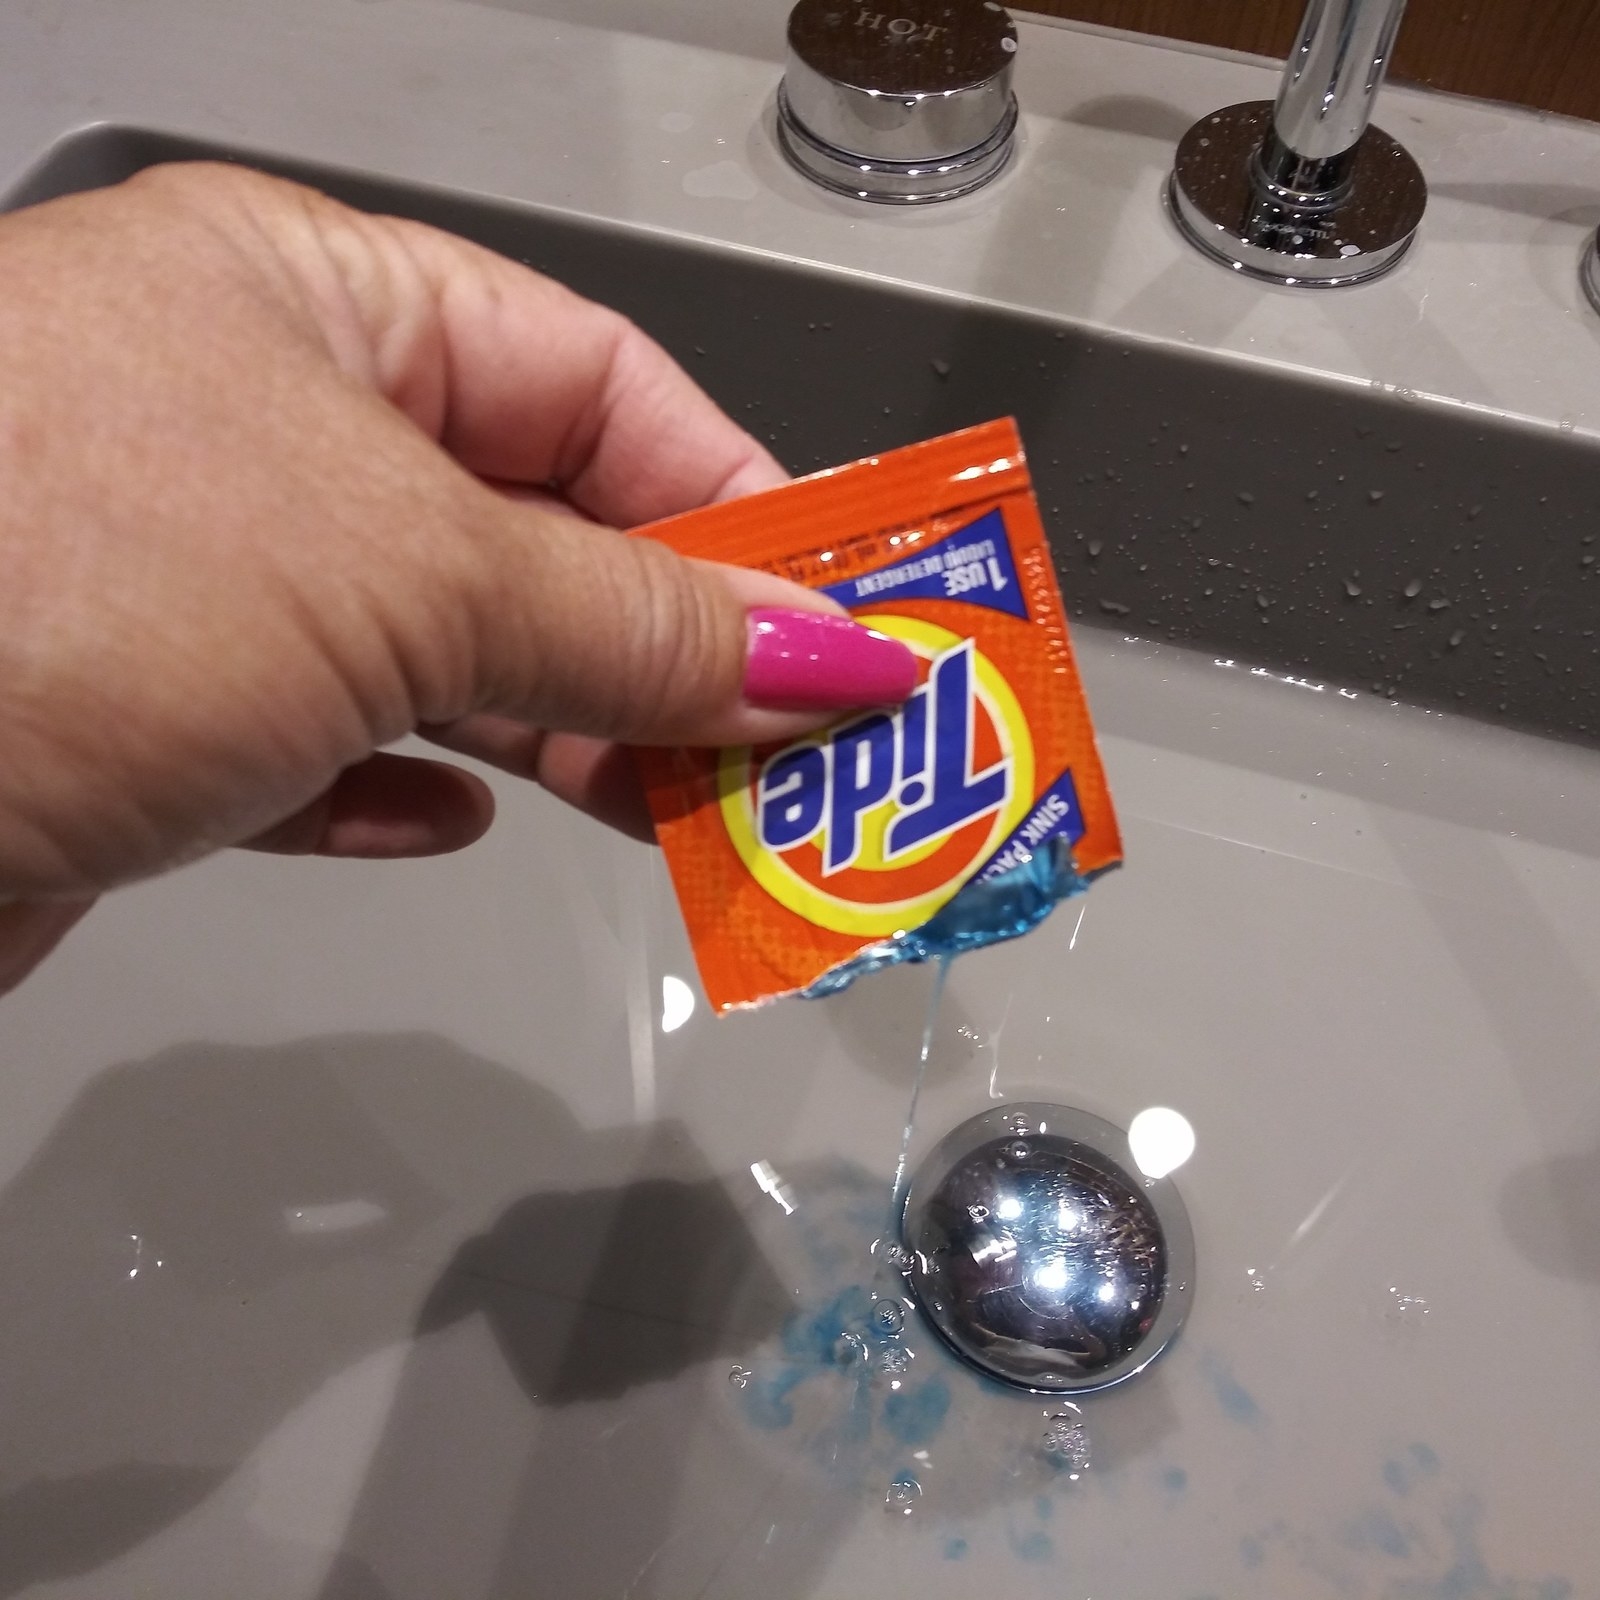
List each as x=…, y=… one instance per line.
x=1054, y=1275
x=1160, y=1140
x=1040, y=1256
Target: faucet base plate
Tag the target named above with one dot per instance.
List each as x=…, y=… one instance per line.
x=893, y=182
x=1223, y=208
x=1589, y=270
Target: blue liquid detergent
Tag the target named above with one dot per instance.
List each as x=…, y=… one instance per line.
x=854, y=1384
x=983, y=912
x=897, y=1187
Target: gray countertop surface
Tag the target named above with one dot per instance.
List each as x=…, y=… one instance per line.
x=660, y=118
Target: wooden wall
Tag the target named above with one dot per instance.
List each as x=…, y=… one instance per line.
x=1542, y=53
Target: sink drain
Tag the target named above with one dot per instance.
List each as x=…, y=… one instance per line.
x=1041, y=1256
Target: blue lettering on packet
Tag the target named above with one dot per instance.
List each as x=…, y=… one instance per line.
x=923, y=755
x=920, y=759
x=973, y=565
x=1056, y=816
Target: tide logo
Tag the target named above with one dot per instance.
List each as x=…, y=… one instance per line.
x=869, y=827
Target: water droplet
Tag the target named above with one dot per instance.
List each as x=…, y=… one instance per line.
x=1374, y=495
x=1066, y=1440
x=888, y=1316
x=849, y=1348
x=895, y=1256
x=1412, y=589
x=740, y=1377
x=1095, y=546
x=1406, y=1309
x=904, y=1492
x=1019, y=1150
x=1115, y=608
x=894, y=1358
x=941, y=368
x=1352, y=588
x=1245, y=498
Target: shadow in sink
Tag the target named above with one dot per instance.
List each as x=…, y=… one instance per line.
x=1552, y=1214
x=210, y=1235
x=659, y=1274
x=1539, y=1005
x=695, y=1484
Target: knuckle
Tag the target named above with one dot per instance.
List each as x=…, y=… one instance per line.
x=683, y=660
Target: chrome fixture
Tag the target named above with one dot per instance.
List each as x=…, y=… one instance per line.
x=1305, y=192
x=1041, y=1256
x=1589, y=271
x=901, y=101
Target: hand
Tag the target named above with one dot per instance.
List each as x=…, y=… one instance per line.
x=285, y=482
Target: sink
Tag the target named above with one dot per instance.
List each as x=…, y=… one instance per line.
x=390, y=1233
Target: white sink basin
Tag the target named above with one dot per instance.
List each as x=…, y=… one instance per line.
x=367, y=1217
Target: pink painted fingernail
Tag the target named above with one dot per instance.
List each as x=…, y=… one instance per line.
x=811, y=661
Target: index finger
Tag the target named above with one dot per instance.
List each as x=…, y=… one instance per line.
x=535, y=384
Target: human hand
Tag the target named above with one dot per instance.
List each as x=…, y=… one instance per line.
x=286, y=482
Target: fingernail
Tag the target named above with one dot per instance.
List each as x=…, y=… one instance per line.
x=811, y=661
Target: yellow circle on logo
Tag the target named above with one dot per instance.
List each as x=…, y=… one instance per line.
x=884, y=918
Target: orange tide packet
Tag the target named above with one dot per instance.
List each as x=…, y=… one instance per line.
x=953, y=821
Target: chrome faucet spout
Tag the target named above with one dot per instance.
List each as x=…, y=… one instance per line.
x=1333, y=76
x=1305, y=191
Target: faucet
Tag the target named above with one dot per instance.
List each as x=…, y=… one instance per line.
x=903, y=103
x=1304, y=191
x=911, y=102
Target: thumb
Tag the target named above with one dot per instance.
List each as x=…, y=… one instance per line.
x=591, y=631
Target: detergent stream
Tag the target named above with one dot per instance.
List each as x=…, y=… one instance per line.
x=893, y=1248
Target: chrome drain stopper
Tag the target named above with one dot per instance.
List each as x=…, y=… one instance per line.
x=1040, y=1254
